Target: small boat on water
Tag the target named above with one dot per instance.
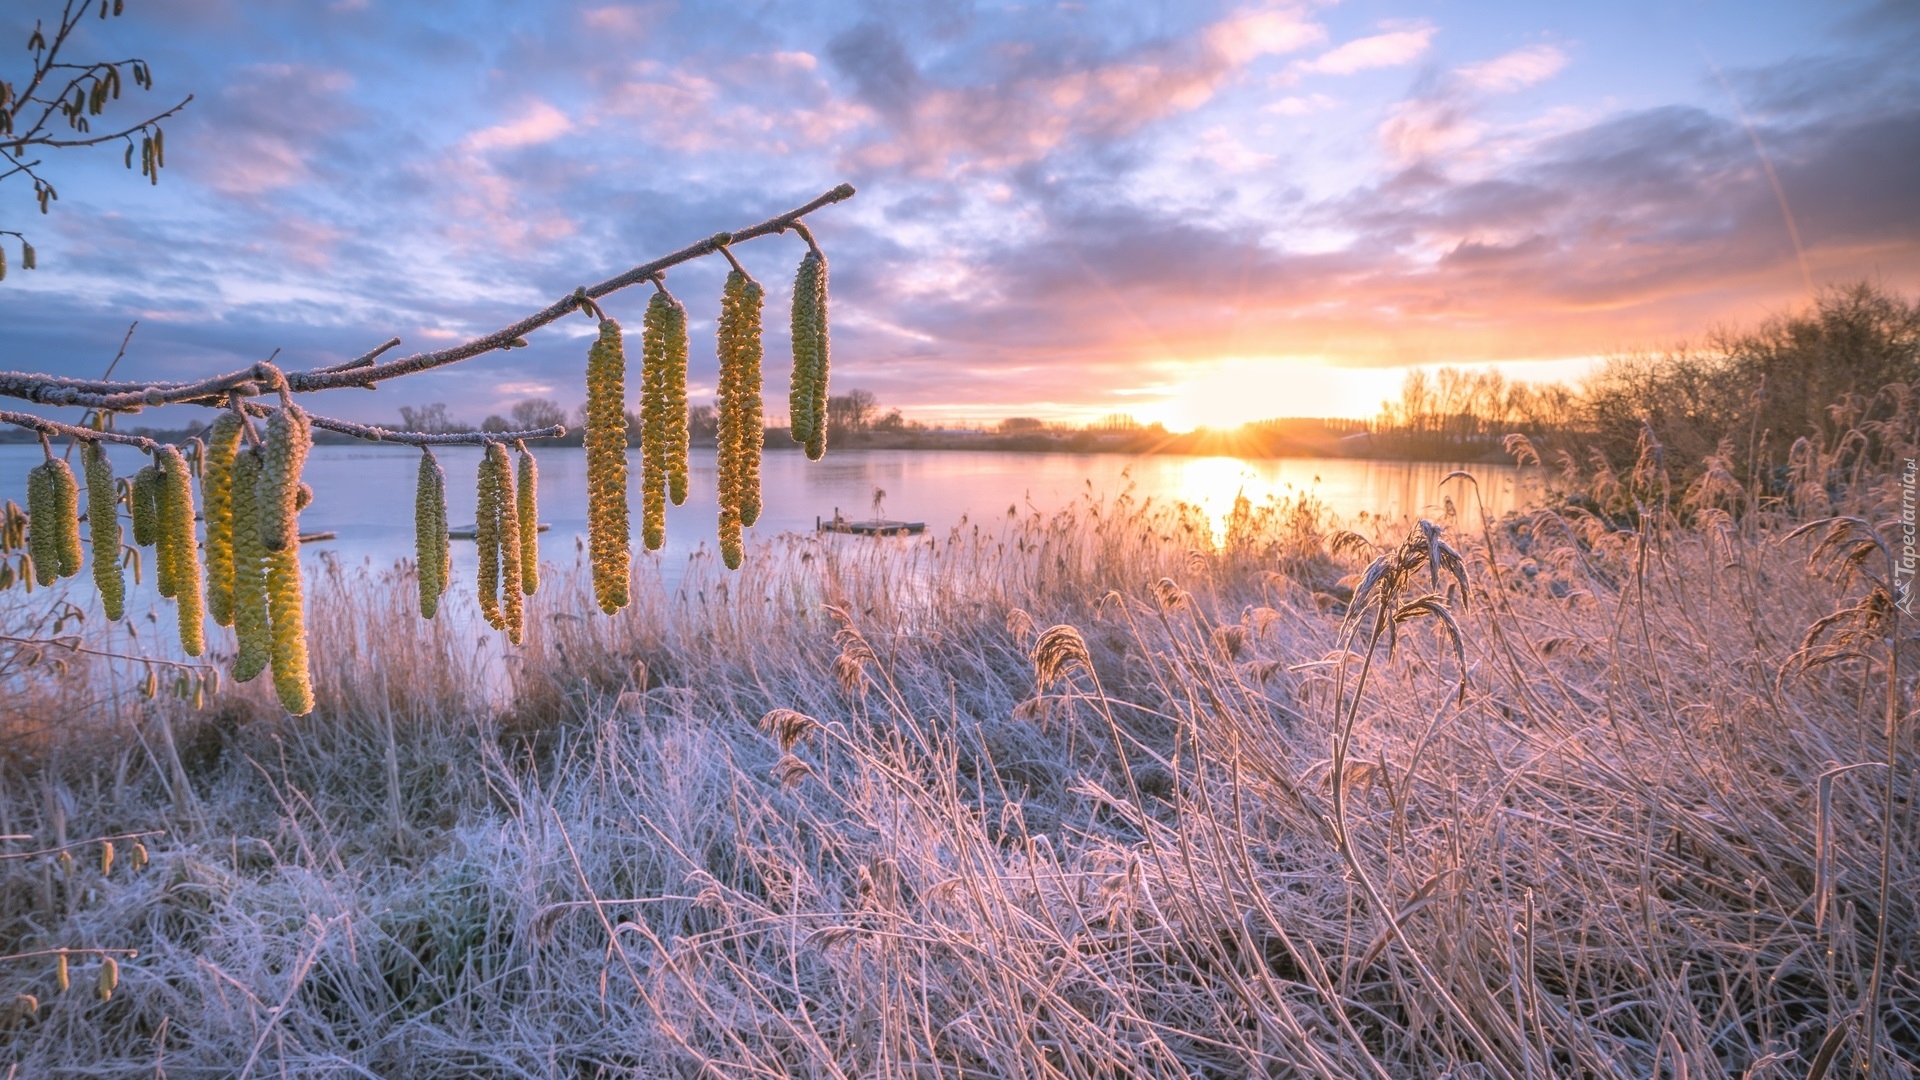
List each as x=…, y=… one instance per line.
x=870, y=527
x=472, y=532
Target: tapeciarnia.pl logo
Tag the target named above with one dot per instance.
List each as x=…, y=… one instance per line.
x=1903, y=570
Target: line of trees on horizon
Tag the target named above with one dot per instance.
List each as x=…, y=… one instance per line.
x=1743, y=396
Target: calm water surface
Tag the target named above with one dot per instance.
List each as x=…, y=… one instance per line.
x=364, y=494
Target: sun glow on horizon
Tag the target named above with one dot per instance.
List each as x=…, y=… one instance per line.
x=1224, y=394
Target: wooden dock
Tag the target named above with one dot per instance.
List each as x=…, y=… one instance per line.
x=870, y=527
x=472, y=532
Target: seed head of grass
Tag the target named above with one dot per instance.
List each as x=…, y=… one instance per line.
x=788, y=726
x=1057, y=652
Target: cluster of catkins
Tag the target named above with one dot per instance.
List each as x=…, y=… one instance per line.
x=252, y=497
x=53, y=530
x=252, y=491
x=507, y=530
x=741, y=422
x=663, y=413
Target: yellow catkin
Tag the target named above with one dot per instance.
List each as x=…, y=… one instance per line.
x=140, y=506
x=39, y=537
x=527, y=504
x=512, y=604
x=62, y=978
x=606, y=444
x=66, y=511
x=286, y=613
x=654, y=455
x=250, y=625
x=289, y=437
x=741, y=428
x=430, y=533
x=103, y=526
x=807, y=400
x=486, y=536
x=673, y=393
x=166, y=568
x=177, y=552
x=53, y=521
x=216, y=493
x=106, y=858
x=108, y=979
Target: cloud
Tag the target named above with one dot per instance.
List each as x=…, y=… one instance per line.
x=264, y=132
x=539, y=122
x=1517, y=70
x=1391, y=49
x=1044, y=103
x=1442, y=121
x=1295, y=105
x=1248, y=35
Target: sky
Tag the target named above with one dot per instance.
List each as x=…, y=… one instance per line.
x=1195, y=213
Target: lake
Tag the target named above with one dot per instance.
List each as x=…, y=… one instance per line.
x=364, y=494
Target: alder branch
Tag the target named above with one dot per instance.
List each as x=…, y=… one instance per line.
x=55, y=427
x=372, y=433
x=118, y=397
x=437, y=438
x=34, y=138
x=365, y=371
x=71, y=643
x=307, y=381
x=365, y=358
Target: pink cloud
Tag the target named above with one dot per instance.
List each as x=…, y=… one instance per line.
x=260, y=132
x=1248, y=35
x=1027, y=118
x=539, y=123
x=1517, y=70
x=1391, y=49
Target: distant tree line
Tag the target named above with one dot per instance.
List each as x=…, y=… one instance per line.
x=1743, y=396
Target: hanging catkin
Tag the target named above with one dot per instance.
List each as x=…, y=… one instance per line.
x=177, y=552
x=738, y=336
x=40, y=541
x=512, y=606
x=103, y=526
x=140, y=506
x=657, y=341
x=430, y=543
x=486, y=536
x=807, y=401
x=527, y=503
x=606, y=445
x=216, y=492
x=53, y=521
x=673, y=331
x=250, y=624
x=497, y=528
x=286, y=612
x=289, y=437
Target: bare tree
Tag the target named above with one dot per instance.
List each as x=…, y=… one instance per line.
x=430, y=418
x=54, y=108
x=538, y=412
x=852, y=411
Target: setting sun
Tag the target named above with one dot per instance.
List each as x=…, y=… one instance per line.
x=1227, y=393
